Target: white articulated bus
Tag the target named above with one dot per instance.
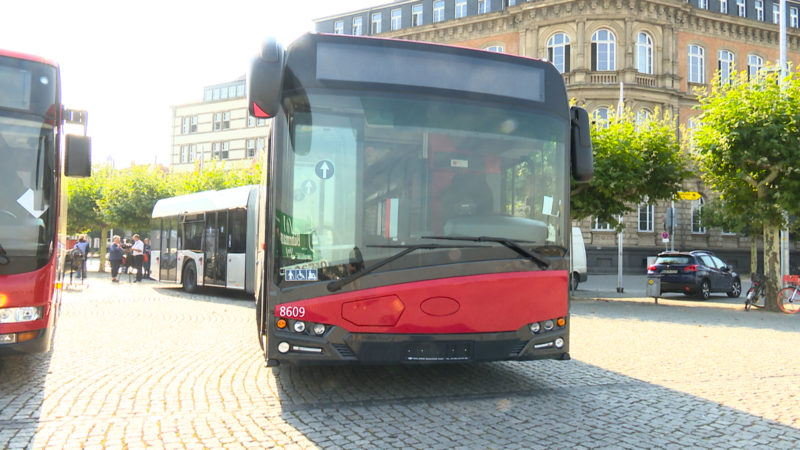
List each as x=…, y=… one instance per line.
x=206, y=239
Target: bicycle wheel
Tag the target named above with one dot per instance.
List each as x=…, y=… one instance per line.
x=747, y=298
x=789, y=300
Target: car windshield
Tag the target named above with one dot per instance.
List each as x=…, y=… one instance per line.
x=370, y=172
x=674, y=260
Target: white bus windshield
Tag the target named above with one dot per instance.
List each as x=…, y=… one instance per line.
x=363, y=173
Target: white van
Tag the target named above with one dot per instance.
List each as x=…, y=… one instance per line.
x=577, y=259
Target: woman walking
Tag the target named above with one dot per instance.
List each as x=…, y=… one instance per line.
x=115, y=258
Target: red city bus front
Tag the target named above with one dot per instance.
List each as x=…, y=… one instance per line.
x=27, y=310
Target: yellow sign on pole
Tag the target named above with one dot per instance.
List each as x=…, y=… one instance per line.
x=689, y=195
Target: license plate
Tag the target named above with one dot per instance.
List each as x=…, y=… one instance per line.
x=439, y=351
x=669, y=271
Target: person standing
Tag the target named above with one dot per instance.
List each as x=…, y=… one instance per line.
x=83, y=246
x=115, y=258
x=146, y=259
x=137, y=251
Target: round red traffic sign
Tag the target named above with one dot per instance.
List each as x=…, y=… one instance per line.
x=665, y=235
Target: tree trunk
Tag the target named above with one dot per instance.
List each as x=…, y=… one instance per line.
x=772, y=265
x=102, y=256
x=753, y=255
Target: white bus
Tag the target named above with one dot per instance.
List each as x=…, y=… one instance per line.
x=206, y=239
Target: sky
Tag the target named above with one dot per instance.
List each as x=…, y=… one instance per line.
x=127, y=63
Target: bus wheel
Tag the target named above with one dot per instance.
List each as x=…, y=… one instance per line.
x=189, y=278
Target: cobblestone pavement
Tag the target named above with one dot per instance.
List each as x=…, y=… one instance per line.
x=145, y=365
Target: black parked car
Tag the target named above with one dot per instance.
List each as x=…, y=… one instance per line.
x=697, y=273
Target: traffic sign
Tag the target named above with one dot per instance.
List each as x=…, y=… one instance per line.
x=665, y=235
x=689, y=195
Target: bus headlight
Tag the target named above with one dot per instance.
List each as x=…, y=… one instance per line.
x=559, y=342
x=548, y=325
x=283, y=347
x=23, y=314
x=319, y=329
x=299, y=326
x=535, y=327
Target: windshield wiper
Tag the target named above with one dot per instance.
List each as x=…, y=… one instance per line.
x=512, y=244
x=3, y=256
x=338, y=284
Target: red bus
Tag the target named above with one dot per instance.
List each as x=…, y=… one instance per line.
x=32, y=202
x=415, y=206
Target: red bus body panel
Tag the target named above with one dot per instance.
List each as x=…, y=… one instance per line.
x=29, y=289
x=488, y=303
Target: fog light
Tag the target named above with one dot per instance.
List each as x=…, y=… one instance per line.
x=299, y=326
x=559, y=342
x=535, y=327
x=548, y=325
x=318, y=329
x=283, y=347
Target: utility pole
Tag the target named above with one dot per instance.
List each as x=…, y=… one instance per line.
x=784, y=235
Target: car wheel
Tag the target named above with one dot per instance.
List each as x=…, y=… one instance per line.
x=705, y=290
x=736, y=289
x=189, y=278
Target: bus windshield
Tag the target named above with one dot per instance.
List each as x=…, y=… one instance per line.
x=28, y=166
x=364, y=173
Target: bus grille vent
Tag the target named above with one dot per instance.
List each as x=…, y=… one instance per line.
x=517, y=349
x=344, y=350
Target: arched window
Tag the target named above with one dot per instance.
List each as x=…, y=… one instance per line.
x=726, y=66
x=558, y=51
x=604, y=50
x=600, y=117
x=697, y=64
x=755, y=64
x=641, y=116
x=697, y=223
x=644, y=53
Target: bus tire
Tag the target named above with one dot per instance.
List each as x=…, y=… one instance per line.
x=189, y=278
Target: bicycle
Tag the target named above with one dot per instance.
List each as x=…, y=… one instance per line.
x=789, y=296
x=756, y=295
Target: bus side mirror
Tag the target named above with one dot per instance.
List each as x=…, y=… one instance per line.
x=265, y=80
x=78, y=156
x=581, y=142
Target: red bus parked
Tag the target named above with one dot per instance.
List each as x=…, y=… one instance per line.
x=415, y=206
x=32, y=202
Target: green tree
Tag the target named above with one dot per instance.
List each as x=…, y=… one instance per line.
x=83, y=210
x=633, y=163
x=748, y=150
x=214, y=176
x=129, y=195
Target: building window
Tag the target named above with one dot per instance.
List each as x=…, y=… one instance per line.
x=776, y=13
x=219, y=150
x=646, y=217
x=697, y=64
x=357, y=31
x=189, y=125
x=254, y=146
x=644, y=53
x=438, y=11
x=726, y=66
x=416, y=15
x=461, y=8
x=794, y=21
x=397, y=19
x=759, y=6
x=376, y=24
x=495, y=48
x=603, y=51
x=600, y=117
x=642, y=116
x=723, y=6
x=702, y=4
x=697, y=224
x=222, y=121
x=741, y=5
x=558, y=51
x=600, y=226
x=256, y=122
x=338, y=27
x=755, y=64
x=484, y=6
x=187, y=153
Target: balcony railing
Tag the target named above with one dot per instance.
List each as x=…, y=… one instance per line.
x=643, y=79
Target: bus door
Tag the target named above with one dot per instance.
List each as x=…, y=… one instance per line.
x=236, y=247
x=169, y=249
x=215, y=248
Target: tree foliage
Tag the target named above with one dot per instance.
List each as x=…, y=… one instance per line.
x=748, y=150
x=633, y=163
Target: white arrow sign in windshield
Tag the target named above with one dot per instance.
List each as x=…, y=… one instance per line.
x=26, y=200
